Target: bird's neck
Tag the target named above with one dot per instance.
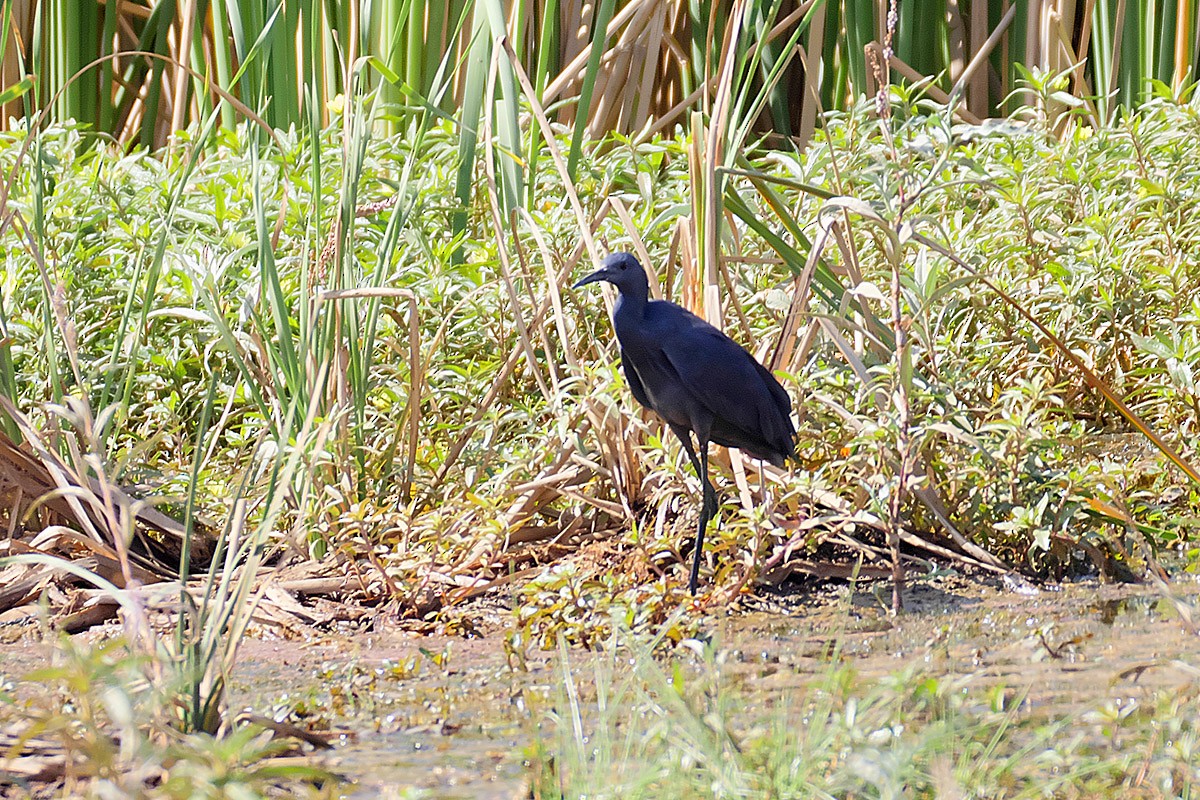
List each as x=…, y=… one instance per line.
x=629, y=309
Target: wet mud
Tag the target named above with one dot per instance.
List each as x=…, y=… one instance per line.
x=450, y=718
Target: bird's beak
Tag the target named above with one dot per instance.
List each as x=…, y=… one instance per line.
x=598, y=275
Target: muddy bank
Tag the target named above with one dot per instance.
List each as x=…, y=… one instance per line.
x=452, y=717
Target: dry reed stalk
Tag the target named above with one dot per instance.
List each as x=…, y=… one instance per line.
x=673, y=257
x=693, y=296
x=531, y=493
x=185, y=21
x=577, y=60
x=737, y=465
x=574, y=47
x=1089, y=10
x=689, y=279
x=1005, y=76
x=653, y=54
x=976, y=83
x=585, y=229
x=528, y=281
x=626, y=463
x=606, y=106
x=812, y=67
x=976, y=69
x=614, y=72
x=670, y=117
x=784, y=352
x=80, y=491
x=1183, y=43
x=956, y=39
x=715, y=156
x=565, y=343
x=615, y=510
x=1033, y=20
x=1078, y=78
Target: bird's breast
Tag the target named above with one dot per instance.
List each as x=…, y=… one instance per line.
x=660, y=386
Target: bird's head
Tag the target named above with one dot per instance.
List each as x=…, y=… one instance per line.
x=621, y=270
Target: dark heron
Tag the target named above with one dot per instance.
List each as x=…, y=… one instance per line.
x=697, y=379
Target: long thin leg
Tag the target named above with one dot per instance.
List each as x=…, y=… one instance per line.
x=708, y=505
x=708, y=490
x=707, y=511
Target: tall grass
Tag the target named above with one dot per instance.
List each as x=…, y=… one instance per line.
x=615, y=65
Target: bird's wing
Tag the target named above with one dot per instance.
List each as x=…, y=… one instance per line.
x=635, y=383
x=728, y=380
x=778, y=394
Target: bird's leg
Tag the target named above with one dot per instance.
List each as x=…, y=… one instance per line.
x=707, y=511
x=708, y=505
x=709, y=494
x=707, y=490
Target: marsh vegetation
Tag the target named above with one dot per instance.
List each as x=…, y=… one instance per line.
x=318, y=373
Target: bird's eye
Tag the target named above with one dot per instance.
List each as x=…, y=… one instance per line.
x=623, y=265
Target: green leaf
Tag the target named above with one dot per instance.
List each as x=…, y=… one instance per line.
x=382, y=68
x=18, y=89
x=1153, y=345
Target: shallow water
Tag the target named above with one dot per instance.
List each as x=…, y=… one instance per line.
x=454, y=729
x=449, y=718
x=461, y=729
